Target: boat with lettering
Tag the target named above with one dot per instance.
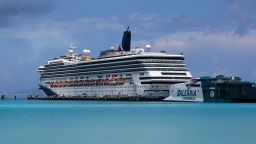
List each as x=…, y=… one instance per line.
x=214, y=89
x=189, y=91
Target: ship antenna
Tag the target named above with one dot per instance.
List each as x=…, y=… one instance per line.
x=71, y=46
x=166, y=45
x=71, y=49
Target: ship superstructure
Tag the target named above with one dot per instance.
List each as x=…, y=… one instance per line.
x=117, y=73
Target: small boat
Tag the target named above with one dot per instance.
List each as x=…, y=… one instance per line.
x=186, y=92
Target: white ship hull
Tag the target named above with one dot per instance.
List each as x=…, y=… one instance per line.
x=186, y=92
x=153, y=91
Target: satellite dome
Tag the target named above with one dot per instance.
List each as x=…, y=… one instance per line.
x=86, y=51
x=148, y=46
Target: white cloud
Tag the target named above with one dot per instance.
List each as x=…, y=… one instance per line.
x=195, y=39
x=243, y=11
x=14, y=12
x=143, y=17
x=53, y=29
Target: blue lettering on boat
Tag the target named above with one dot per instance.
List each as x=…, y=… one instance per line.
x=186, y=93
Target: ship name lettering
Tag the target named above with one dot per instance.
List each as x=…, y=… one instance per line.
x=186, y=93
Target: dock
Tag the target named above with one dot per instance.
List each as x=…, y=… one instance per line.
x=15, y=96
x=94, y=98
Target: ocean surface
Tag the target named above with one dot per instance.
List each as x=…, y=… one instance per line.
x=99, y=122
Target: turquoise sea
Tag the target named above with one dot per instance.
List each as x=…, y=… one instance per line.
x=99, y=122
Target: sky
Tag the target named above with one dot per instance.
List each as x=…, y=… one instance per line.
x=216, y=36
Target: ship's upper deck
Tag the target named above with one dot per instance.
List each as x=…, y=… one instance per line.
x=114, y=55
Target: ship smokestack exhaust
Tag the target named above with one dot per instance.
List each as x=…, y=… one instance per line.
x=126, y=41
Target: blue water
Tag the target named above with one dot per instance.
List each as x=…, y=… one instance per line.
x=97, y=122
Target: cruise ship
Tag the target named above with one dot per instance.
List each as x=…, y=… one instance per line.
x=118, y=73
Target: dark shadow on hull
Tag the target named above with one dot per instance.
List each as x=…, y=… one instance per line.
x=47, y=91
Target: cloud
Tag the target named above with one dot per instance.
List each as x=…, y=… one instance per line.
x=193, y=39
x=243, y=11
x=50, y=29
x=163, y=42
x=13, y=12
x=142, y=17
x=240, y=22
x=153, y=24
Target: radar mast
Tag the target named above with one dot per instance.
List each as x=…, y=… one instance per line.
x=71, y=49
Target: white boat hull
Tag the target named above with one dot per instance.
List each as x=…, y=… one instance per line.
x=186, y=92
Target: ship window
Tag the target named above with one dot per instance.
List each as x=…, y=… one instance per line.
x=141, y=74
x=193, y=85
x=169, y=73
x=128, y=74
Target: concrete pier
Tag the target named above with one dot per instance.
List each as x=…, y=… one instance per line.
x=110, y=98
x=15, y=96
